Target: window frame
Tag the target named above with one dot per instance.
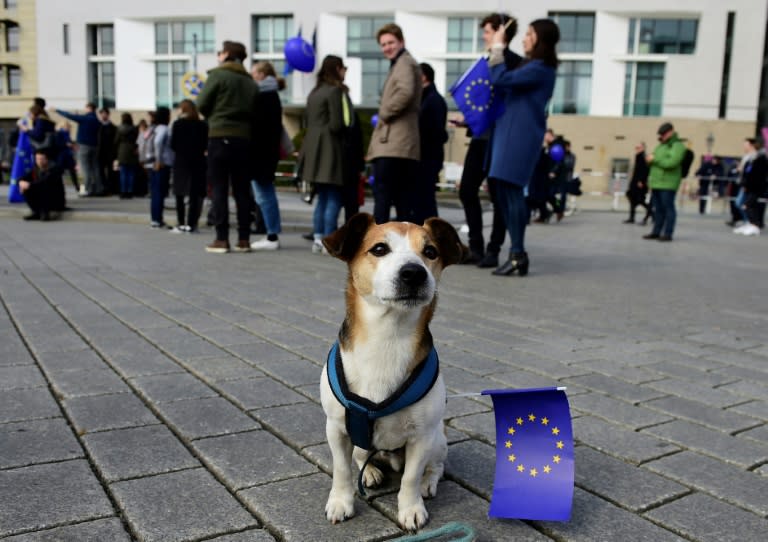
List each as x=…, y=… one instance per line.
x=577, y=15
x=572, y=84
x=275, y=53
x=636, y=39
x=631, y=79
x=205, y=44
x=101, y=56
x=370, y=54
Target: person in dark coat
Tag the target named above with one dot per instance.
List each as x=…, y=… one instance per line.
x=321, y=160
x=127, y=154
x=42, y=131
x=637, y=188
x=189, y=141
x=265, y=142
x=42, y=187
x=515, y=143
x=753, y=182
x=433, y=116
x=709, y=174
x=353, y=189
x=107, y=153
x=87, y=138
x=66, y=157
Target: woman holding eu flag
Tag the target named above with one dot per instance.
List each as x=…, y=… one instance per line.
x=517, y=135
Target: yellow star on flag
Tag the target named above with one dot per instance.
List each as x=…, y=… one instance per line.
x=511, y=430
x=519, y=421
x=555, y=431
x=559, y=444
x=534, y=472
x=547, y=469
x=531, y=418
x=520, y=468
x=544, y=420
x=556, y=458
x=512, y=457
x=508, y=444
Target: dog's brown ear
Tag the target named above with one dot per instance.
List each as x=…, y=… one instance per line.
x=344, y=242
x=452, y=250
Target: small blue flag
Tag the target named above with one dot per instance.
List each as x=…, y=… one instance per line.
x=534, y=455
x=474, y=96
x=23, y=162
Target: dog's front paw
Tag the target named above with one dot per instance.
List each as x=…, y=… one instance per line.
x=372, y=476
x=337, y=509
x=413, y=517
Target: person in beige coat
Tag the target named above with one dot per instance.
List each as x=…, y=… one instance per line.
x=321, y=160
x=395, y=145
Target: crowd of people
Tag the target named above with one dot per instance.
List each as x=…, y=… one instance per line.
x=230, y=139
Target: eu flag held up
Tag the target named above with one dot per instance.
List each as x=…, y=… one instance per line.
x=474, y=96
x=534, y=455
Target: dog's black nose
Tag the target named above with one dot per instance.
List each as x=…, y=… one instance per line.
x=412, y=274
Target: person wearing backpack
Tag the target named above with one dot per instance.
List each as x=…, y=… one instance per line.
x=665, y=174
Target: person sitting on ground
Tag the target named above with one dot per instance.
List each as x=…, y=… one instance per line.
x=43, y=187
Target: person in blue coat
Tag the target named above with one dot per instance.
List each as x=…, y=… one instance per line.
x=517, y=135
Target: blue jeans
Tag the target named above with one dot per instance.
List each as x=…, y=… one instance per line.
x=266, y=197
x=127, y=174
x=740, y=199
x=326, y=218
x=664, y=212
x=511, y=200
x=158, y=189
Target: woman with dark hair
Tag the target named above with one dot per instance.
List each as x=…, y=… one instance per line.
x=127, y=154
x=265, y=142
x=161, y=169
x=322, y=155
x=189, y=140
x=517, y=135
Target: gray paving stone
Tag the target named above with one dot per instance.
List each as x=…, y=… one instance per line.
x=222, y=368
x=254, y=393
x=459, y=381
x=252, y=458
x=460, y=406
x=198, y=418
x=77, y=360
x=750, y=390
x=745, y=373
x=756, y=409
x=714, y=521
x=100, y=530
x=27, y=404
x=472, y=464
x=519, y=378
x=300, y=425
x=37, y=441
x=616, y=388
x=481, y=425
x=100, y=412
x=39, y=497
x=172, y=387
x=608, y=367
x=229, y=336
x=726, y=482
x=608, y=408
x=254, y=535
x=724, y=339
x=142, y=363
x=594, y=519
x=298, y=372
x=454, y=503
x=619, y=442
x=686, y=372
x=694, y=411
x=711, y=442
x=194, y=506
x=653, y=357
x=276, y=504
x=759, y=434
x=624, y=484
x=261, y=352
x=82, y=382
x=695, y=392
x=20, y=377
x=138, y=451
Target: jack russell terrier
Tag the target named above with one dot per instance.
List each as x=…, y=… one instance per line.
x=381, y=389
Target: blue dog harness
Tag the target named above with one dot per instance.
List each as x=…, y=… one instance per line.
x=362, y=413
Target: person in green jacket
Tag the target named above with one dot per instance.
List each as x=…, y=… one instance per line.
x=228, y=102
x=664, y=179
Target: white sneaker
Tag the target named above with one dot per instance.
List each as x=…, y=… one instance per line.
x=177, y=229
x=317, y=246
x=751, y=230
x=265, y=244
x=740, y=229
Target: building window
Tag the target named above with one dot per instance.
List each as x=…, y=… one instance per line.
x=10, y=4
x=14, y=81
x=271, y=32
x=573, y=89
x=65, y=38
x=184, y=37
x=643, y=89
x=455, y=68
x=362, y=43
x=168, y=75
x=102, y=40
x=464, y=35
x=663, y=36
x=577, y=32
x=101, y=64
x=11, y=37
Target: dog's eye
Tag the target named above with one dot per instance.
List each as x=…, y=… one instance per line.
x=430, y=252
x=380, y=249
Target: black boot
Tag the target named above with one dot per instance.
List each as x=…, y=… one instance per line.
x=517, y=261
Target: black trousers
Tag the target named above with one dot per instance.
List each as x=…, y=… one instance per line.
x=228, y=164
x=635, y=199
x=395, y=183
x=426, y=203
x=469, y=193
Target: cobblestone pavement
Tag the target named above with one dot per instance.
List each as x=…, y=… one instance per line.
x=151, y=391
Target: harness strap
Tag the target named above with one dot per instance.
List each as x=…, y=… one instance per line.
x=361, y=413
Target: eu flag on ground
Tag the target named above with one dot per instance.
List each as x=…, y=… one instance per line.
x=474, y=96
x=23, y=161
x=534, y=455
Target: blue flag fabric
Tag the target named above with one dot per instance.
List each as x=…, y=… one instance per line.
x=534, y=455
x=474, y=96
x=23, y=161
